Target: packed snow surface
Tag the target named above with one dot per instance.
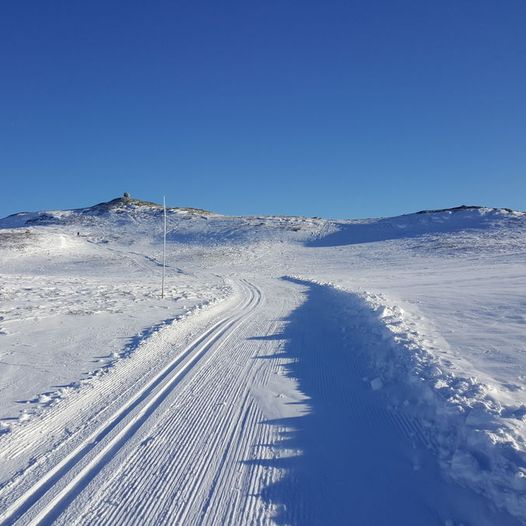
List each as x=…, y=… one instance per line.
x=298, y=370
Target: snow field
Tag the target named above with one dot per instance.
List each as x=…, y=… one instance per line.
x=383, y=383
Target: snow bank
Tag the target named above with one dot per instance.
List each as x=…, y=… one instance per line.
x=480, y=441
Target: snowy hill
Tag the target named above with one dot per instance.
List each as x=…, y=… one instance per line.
x=185, y=225
x=122, y=210
x=309, y=363
x=191, y=225
x=445, y=221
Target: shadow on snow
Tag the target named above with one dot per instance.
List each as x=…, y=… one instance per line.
x=345, y=460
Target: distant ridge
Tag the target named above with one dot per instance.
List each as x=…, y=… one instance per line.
x=127, y=205
x=461, y=208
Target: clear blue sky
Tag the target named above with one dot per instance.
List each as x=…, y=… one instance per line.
x=333, y=108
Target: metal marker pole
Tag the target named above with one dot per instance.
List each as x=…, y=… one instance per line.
x=164, y=246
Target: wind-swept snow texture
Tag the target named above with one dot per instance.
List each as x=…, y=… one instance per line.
x=300, y=371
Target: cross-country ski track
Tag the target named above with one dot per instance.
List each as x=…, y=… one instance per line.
x=254, y=411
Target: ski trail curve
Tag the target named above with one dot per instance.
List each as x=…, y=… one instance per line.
x=82, y=464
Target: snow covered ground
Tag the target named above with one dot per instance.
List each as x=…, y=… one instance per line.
x=299, y=371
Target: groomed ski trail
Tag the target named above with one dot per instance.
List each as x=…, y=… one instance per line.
x=44, y=501
x=262, y=417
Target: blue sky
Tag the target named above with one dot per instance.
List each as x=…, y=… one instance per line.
x=332, y=108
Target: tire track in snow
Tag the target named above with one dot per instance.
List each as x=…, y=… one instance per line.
x=135, y=413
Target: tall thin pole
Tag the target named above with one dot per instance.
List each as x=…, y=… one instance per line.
x=164, y=247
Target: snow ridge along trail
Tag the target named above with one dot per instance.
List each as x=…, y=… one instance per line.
x=82, y=464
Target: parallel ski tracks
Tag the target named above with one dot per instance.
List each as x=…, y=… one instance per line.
x=189, y=469
x=43, y=502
